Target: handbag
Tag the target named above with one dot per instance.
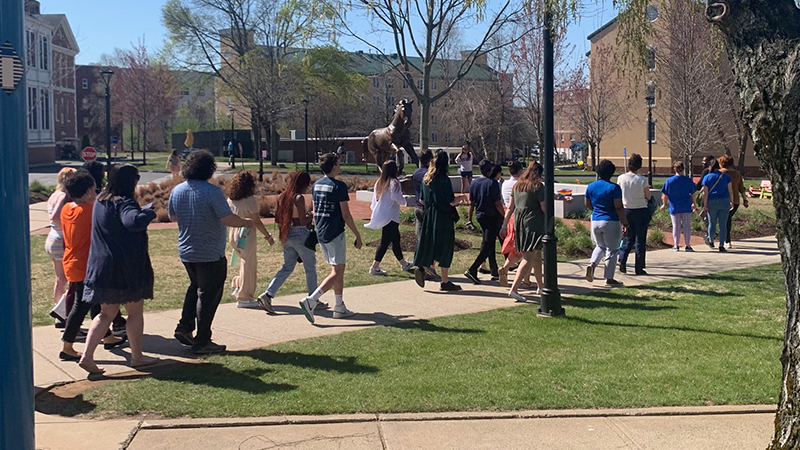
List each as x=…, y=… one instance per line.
x=454, y=214
x=312, y=240
x=651, y=205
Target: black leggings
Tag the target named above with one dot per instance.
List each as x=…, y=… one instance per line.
x=390, y=234
x=78, y=313
x=730, y=219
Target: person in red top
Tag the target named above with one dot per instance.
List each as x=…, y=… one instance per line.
x=76, y=225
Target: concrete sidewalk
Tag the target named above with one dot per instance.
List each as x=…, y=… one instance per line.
x=687, y=428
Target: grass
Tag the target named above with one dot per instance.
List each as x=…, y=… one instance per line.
x=171, y=279
x=709, y=340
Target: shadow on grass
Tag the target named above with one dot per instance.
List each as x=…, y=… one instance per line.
x=425, y=325
x=639, y=306
x=340, y=364
x=664, y=327
x=49, y=403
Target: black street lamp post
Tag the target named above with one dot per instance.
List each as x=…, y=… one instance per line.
x=551, y=296
x=650, y=99
x=305, y=107
x=106, y=75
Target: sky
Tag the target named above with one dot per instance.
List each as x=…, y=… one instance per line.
x=100, y=26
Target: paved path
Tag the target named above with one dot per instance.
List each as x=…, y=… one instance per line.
x=242, y=329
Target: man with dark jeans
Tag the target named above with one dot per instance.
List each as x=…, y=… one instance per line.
x=486, y=198
x=202, y=213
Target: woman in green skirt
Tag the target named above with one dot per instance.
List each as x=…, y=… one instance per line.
x=437, y=235
x=527, y=206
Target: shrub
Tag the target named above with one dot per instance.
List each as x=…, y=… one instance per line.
x=655, y=237
x=661, y=219
x=585, y=214
x=407, y=215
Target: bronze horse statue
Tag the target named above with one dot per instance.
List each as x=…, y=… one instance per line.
x=384, y=142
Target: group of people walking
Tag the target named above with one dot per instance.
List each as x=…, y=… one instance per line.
x=99, y=245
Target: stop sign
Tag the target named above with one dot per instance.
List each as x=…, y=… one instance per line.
x=89, y=154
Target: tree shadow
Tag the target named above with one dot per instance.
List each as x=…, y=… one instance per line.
x=219, y=376
x=425, y=325
x=594, y=304
x=328, y=363
x=675, y=328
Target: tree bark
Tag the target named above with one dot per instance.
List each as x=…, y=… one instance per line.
x=763, y=45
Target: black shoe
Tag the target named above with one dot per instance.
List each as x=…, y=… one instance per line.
x=641, y=272
x=419, y=277
x=67, y=357
x=114, y=345
x=208, y=348
x=121, y=328
x=622, y=268
x=484, y=271
x=471, y=277
x=722, y=249
x=613, y=283
x=449, y=286
x=184, y=337
x=60, y=324
x=495, y=277
x=709, y=242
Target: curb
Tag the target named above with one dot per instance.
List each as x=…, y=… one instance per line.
x=173, y=424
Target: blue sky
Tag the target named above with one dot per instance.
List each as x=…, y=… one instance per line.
x=102, y=25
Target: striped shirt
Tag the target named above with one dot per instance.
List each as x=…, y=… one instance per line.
x=199, y=205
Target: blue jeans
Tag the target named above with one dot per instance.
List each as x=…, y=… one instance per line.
x=718, y=210
x=294, y=248
x=638, y=221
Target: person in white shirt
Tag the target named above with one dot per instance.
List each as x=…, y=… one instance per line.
x=635, y=195
x=464, y=161
x=387, y=198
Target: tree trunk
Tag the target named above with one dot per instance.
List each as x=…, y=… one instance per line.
x=144, y=146
x=424, y=124
x=763, y=45
x=742, y=153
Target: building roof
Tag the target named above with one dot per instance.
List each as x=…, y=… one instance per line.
x=56, y=20
x=603, y=28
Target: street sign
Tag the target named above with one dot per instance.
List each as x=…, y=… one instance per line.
x=89, y=154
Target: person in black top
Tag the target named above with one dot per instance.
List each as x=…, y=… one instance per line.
x=486, y=199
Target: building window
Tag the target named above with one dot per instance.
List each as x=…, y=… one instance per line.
x=434, y=138
x=391, y=101
x=405, y=83
x=651, y=93
x=377, y=100
x=447, y=137
x=31, y=58
x=185, y=92
x=651, y=59
x=562, y=137
x=33, y=109
x=571, y=137
x=376, y=82
x=45, y=109
x=44, y=56
x=419, y=84
x=85, y=122
x=85, y=83
x=390, y=82
x=226, y=54
x=433, y=119
x=433, y=85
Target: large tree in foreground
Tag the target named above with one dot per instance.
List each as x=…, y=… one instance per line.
x=762, y=38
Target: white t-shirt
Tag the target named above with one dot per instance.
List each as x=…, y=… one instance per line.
x=633, y=186
x=464, y=163
x=506, y=189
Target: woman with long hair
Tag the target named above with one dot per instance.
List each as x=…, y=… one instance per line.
x=293, y=221
x=526, y=206
x=243, y=203
x=513, y=257
x=119, y=270
x=717, y=203
x=387, y=198
x=54, y=245
x=738, y=190
x=174, y=164
x=464, y=161
x=438, y=233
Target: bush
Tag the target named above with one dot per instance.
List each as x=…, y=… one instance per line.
x=407, y=215
x=586, y=214
x=655, y=237
x=661, y=219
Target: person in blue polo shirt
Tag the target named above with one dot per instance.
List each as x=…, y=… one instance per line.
x=486, y=198
x=717, y=203
x=679, y=191
x=604, y=198
x=202, y=213
x=331, y=214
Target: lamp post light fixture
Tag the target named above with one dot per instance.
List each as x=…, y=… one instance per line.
x=650, y=98
x=551, y=296
x=106, y=74
x=305, y=107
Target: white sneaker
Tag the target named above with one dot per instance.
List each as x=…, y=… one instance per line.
x=728, y=245
x=307, y=305
x=341, y=312
x=407, y=267
x=517, y=296
x=675, y=249
x=377, y=271
x=248, y=304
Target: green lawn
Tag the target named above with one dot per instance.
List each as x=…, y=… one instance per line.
x=710, y=340
x=171, y=279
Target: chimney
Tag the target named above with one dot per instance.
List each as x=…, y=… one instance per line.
x=32, y=7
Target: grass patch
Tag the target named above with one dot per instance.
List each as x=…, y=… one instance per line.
x=171, y=279
x=709, y=340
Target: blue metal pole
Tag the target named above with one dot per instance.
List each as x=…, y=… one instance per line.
x=16, y=357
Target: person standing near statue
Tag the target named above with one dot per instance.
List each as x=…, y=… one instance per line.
x=342, y=153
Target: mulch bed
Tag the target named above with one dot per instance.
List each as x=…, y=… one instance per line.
x=408, y=242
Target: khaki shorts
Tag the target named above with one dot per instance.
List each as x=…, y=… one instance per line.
x=335, y=251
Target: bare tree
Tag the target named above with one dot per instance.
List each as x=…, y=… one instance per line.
x=422, y=29
x=600, y=101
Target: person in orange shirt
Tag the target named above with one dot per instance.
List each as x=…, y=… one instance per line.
x=76, y=225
